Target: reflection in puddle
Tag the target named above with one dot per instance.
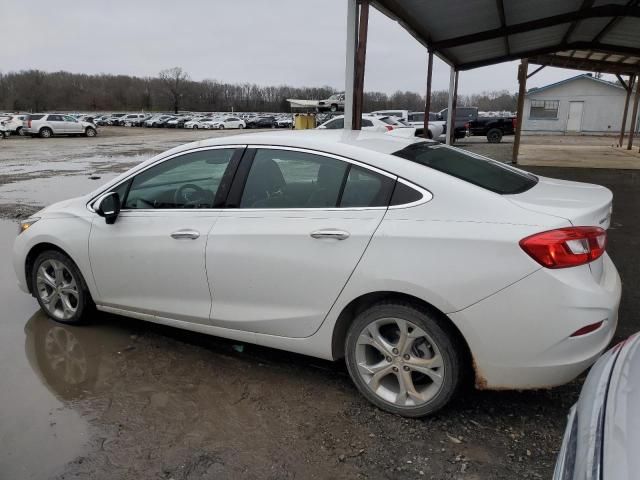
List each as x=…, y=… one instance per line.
x=157, y=395
x=38, y=435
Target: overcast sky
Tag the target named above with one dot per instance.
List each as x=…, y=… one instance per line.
x=269, y=42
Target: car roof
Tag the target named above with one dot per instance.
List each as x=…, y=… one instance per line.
x=338, y=142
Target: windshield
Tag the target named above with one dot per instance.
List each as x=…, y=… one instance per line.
x=481, y=171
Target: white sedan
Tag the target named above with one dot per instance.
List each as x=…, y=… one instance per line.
x=371, y=123
x=413, y=261
x=228, y=122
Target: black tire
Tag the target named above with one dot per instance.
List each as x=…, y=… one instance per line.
x=443, y=338
x=494, y=135
x=20, y=131
x=90, y=132
x=334, y=108
x=84, y=305
x=45, y=132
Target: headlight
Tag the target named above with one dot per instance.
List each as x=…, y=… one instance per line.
x=25, y=224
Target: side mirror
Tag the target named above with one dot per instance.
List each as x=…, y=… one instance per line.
x=108, y=206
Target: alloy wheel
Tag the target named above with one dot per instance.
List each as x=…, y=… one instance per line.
x=399, y=362
x=57, y=289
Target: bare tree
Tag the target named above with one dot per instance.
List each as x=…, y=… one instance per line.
x=175, y=80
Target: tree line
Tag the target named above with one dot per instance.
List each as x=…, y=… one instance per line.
x=173, y=89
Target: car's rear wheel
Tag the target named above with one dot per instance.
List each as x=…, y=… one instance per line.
x=403, y=359
x=221, y=127
x=494, y=135
x=20, y=131
x=90, y=132
x=241, y=126
x=60, y=288
x=45, y=132
x=334, y=108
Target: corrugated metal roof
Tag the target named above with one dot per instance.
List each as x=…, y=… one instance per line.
x=474, y=33
x=584, y=76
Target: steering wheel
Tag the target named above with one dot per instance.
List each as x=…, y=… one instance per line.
x=184, y=198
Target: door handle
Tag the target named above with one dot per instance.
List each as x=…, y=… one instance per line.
x=330, y=233
x=185, y=235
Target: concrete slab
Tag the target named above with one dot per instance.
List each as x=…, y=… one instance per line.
x=581, y=156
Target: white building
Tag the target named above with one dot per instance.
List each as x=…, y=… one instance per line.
x=581, y=104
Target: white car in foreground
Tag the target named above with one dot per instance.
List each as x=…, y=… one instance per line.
x=602, y=439
x=414, y=261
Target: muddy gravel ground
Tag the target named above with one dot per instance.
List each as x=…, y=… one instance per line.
x=120, y=399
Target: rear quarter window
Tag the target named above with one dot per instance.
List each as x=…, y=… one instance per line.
x=483, y=172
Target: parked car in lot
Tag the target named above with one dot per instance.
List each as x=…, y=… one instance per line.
x=284, y=122
x=402, y=114
x=602, y=438
x=370, y=122
x=157, y=121
x=195, y=123
x=335, y=103
x=132, y=119
x=177, y=122
x=47, y=125
x=4, y=130
x=261, y=122
x=114, y=118
x=469, y=122
x=14, y=124
x=436, y=127
x=414, y=261
x=228, y=122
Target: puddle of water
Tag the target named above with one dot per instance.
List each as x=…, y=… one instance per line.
x=38, y=435
x=39, y=191
x=81, y=164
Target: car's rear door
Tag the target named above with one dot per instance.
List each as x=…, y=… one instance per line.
x=296, y=224
x=152, y=259
x=57, y=123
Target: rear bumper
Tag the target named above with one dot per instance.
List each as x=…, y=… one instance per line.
x=520, y=337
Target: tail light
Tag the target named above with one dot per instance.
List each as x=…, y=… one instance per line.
x=566, y=247
x=514, y=122
x=389, y=127
x=29, y=124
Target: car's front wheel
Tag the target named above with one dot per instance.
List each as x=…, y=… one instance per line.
x=90, y=132
x=60, y=288
x=403, y=359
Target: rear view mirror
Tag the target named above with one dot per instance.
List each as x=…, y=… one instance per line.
x=108, y=206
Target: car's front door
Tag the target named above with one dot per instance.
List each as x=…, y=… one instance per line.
x=152, y=259
x=278, y=261
x=71, y=125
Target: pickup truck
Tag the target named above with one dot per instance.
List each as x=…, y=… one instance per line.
x=469, y=122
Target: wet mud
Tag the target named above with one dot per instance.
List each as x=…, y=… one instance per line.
x=120, y=398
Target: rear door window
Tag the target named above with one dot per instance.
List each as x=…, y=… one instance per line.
x=292, y=179
x=483, y=172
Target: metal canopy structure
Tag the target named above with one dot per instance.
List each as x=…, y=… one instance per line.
x=598, y=35
x=592, y=35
